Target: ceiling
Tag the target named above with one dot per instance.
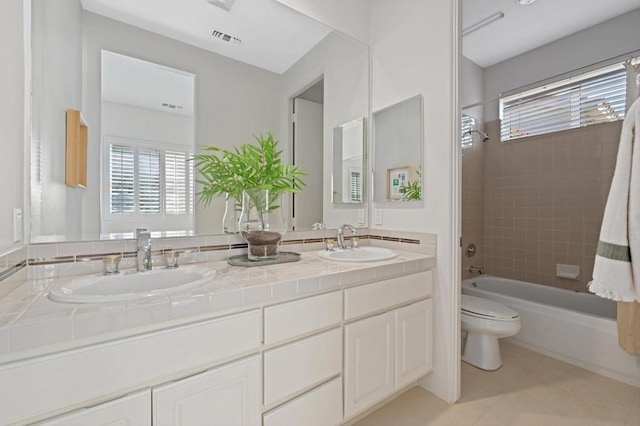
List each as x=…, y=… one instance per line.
x=524, y=28
x=272, y=36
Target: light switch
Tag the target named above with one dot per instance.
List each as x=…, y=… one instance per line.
x=17, y=225
x=377, y=216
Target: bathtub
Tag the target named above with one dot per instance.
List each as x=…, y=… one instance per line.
x=578, y=328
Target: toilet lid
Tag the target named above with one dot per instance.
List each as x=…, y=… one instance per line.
x=478, y=306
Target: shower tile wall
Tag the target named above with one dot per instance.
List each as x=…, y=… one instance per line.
x=544, y=200
x=473, y=205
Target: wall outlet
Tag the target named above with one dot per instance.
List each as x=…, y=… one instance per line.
x=377, y=213
x=17, y=225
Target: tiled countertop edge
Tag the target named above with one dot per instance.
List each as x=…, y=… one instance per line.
x=46, y=327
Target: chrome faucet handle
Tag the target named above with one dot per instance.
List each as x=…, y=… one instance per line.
x=143, y=255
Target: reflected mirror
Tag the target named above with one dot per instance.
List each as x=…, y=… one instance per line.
x=397, y=145
x=347, y=181
x=246, y=65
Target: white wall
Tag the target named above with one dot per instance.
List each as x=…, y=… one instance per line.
x=414, y=51
x=349, y=17
x=471, y=88
x=234, y=101
x=609, y=39
x=11, y=115
x=344, y=63
x=57, y=77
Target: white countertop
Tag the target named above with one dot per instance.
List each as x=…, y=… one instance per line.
x=33, y=325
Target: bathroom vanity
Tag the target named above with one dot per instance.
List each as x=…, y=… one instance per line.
x=327, y=342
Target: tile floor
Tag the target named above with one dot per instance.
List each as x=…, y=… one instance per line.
x=529, y=389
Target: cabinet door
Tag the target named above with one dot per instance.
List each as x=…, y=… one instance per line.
x=224, y=396
x=369, y=364
x=414, y=340
x=131, y=410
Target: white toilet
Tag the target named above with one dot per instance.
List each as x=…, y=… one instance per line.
x=486, y=321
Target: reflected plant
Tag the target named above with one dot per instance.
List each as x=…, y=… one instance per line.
x=413, y=190
x=229, y=172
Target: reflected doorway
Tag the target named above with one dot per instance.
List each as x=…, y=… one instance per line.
x=307, y=124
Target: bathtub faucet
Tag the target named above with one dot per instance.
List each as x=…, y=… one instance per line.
x=476, y=270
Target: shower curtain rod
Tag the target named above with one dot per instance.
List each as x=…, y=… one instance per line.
x=620, y=58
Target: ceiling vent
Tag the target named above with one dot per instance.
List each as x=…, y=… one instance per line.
x=223, y=4
x=226, y=37
x=171, y=106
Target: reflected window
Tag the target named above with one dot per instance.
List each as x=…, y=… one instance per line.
x=355, y=185
x=146, y=183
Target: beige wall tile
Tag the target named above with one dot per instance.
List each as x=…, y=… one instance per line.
x=549, y=190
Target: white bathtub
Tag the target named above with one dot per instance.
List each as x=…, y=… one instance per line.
x=575, y=327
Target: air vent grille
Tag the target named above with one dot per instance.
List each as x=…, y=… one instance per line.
x=223, y=4
x=226, y=37
x=171, y=106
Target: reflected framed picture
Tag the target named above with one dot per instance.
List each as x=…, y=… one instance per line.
x=397, y=180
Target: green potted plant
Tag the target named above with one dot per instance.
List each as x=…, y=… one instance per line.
x=256, y=176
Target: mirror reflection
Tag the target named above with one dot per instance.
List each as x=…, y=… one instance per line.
x=397, y=139
x=348, y=163
x=239, y=90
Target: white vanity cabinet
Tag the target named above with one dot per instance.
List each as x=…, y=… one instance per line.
x=318, y=360
x=387, y=351
x=226, y=395
x=133, y=410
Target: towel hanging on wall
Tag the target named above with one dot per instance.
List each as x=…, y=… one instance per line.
x=616, y=272
x=617, y=260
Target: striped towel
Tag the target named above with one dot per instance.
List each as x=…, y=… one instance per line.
x=616, y=272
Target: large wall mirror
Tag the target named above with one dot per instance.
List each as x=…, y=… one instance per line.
x=398, y=145
x=245, y=65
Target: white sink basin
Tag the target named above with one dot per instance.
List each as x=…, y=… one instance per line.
x=131, y=285
x=361, y=254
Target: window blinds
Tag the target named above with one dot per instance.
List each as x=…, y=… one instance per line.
x=592, y=98
x=468, y=124
x=138, y=177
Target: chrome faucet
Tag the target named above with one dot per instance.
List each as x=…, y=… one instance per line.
x=144, y=249
x=340, y=238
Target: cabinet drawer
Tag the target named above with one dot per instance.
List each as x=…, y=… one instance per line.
x=320, y=407
x=292, y=319
x=297, y=366
x=365, y=299
x=134, y=409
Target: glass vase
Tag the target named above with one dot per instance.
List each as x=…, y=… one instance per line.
x=262, y=223
x=232, y=210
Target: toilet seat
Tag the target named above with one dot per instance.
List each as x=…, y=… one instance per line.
x=487, y=309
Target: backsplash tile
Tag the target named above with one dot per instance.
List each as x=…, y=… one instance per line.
x=78, y=258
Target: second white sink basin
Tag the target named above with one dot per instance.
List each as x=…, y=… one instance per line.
x=128, y=286
x=361, y=254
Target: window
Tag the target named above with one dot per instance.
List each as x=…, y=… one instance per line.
x=591, y=98
x=355, y=187
x=148, y=183
x=468, y=124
